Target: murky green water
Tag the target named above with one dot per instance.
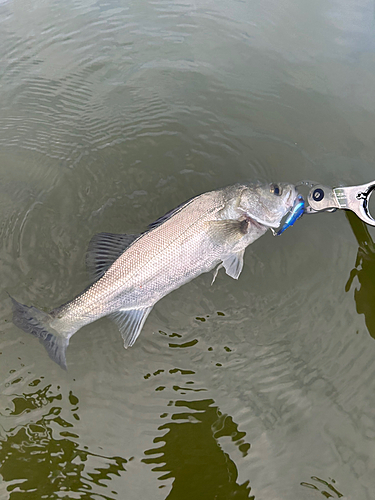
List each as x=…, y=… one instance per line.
x=114, y=112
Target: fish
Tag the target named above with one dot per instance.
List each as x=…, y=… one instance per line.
x=296, y=213
x=132, y=272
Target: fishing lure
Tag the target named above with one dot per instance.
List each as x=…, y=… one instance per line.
x=297, y=211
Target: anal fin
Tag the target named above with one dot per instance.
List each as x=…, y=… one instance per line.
x=130, y=323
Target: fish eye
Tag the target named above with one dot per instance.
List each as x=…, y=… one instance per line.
x=275, y=189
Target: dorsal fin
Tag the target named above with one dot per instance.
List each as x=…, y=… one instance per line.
x=169, y=214
x=104, y=249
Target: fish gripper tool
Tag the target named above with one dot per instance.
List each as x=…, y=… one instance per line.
x=355, y=198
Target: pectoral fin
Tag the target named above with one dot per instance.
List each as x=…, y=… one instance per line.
x=233, y=264
x=229, y=231
x=130, y=323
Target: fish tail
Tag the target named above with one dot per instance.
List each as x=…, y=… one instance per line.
x=32, y=320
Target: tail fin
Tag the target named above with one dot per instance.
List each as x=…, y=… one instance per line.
x=32, y=320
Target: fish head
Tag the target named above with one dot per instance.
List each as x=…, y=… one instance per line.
x=267, y=204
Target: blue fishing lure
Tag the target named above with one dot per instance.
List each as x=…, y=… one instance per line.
x=297, y=211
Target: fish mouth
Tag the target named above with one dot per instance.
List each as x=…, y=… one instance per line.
x=258, y=224
x=261, y=223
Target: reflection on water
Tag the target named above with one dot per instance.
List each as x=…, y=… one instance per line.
x=34, y=461
x=364, y=271
x=43, y=457
x=326, y=488
x=192, y=449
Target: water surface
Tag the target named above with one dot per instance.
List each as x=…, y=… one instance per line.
x=112, y=113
